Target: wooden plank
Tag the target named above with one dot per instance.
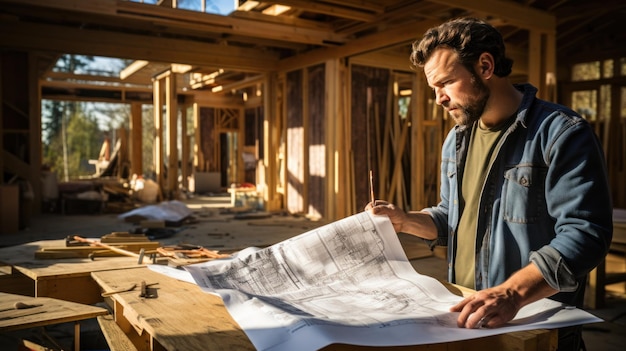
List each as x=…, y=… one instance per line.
x=22, y=259
x=41, y=311
x=17, y=283
x=171, y=321
x=115, y=337
x=77, y=288
x=360, y=14
x=107, y=11
x=511, y=12
x=383, y=39
x=55, y=38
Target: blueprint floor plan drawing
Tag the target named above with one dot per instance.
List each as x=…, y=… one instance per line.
x=346, y=282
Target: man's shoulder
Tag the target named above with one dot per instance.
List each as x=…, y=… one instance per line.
x=538, y=111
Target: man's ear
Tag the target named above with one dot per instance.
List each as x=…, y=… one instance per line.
x=486, y=65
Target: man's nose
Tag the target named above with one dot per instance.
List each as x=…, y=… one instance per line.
x=440, y=96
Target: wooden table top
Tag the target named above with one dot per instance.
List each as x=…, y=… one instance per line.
x=183, y=317
x=41, y=311
x=180, y=317
x=22, y=258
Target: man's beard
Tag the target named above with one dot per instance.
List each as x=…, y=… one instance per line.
x=467, y=114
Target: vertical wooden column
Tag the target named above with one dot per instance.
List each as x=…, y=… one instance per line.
x=550, y=75
x=534, y=58
x=241, y=136
x=171, y=108
x=198, y=157
x=419, y=104
x=337, y=185
x=306, y=142
x=2, y=67
x=542, y=63
x=158, y=133
x=136, y=133
x=184, y=157
x=34, y=136
x=272, y=126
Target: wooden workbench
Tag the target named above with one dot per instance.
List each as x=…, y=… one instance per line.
x=183, y=317
x=42, y=311
x=65, y=279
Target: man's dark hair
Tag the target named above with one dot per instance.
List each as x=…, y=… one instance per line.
x=469, y=37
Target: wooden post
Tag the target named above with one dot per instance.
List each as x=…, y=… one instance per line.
x=241, y=124
x=338, y=184
x=534, y=59
x=184, y=157
x=136, y=139
x=272, y=125
x=158, y=134
x=198, y=156
x=419, y=102
x=550, y=81
x=171, y=108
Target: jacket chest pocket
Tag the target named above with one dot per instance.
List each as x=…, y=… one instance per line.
x=523, y=194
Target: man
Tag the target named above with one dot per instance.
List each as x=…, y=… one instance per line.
x=525, y=209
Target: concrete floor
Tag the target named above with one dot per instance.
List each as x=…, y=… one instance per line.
x=214, y=225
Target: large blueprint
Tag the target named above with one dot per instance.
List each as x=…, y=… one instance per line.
x=347, y=282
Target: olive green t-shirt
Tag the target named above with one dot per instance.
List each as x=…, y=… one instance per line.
x=480, y=151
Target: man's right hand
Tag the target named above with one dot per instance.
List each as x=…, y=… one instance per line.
x=415, y=223
x=383, y=208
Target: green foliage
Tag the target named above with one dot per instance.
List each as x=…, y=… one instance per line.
x=83, y=141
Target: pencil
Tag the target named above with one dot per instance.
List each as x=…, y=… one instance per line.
x=372, y=188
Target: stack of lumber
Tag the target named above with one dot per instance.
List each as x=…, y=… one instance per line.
x=114, y=244
x=128, y=244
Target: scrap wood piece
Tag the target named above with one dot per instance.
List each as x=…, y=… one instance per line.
x=123, y=237
x=129, y=246
x=109, y=247
x=75, y=252
x=61, y=252
x=198, y=252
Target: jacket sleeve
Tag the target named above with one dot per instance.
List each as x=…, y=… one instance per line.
x=578, y=198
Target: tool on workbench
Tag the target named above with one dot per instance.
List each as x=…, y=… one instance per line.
x=147, y=291
x=72, y=240
x=190, y=251
x=109, y=293
x=20, y=306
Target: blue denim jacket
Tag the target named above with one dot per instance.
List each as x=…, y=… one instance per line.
x=545, y=200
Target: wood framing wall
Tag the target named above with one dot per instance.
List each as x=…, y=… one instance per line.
x=324, y=119
x=20, y=128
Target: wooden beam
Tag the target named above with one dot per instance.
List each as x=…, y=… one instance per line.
x=226, y=24
x=176, y=20
x=372, y=6
x=391, y=37
x=509, y=11
x=395, y=61
x=244, y=83
x=76, y=85
x=55, y=38
x=357, y=14
x=133, y=68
